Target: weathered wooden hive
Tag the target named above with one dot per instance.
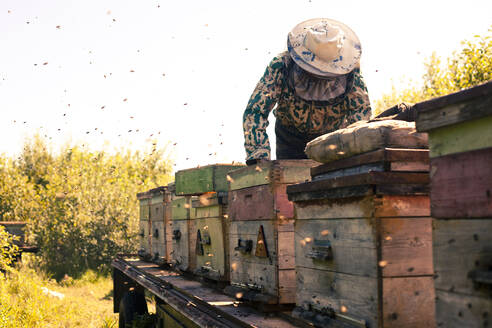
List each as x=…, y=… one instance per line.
x=155, y=225
x=211, y=232
x=261, y=235
x=205, y=193
x=145, y=240
x=160, y=224
x=364, y=242
x=182, y=214
x=460, y=142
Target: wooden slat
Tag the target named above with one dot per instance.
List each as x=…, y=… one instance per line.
x=458, y=138
x=180, y=208
x=365, y=207
x=455, y=310
x=461, y=246
x=353, y=243
x=352, y=208
x=408, y=302
x=209, y=199
x=410, y=166
x=266, y=172
x=330, y=290
x=252, y=203
x=287, y=286
x=248, y=268
x=216, y=255
x=203, y=179
x=406, y=247
x=377, y=156
x=181, y=247
x=335, y=193
x=213, y=211
x=403, y=206
x=283, y=208
x=144, y=236
x=462, y=185
x=286, y=250
x=370, y=178
x=455, y=108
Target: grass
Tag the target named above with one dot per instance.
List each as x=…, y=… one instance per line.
x=30, y=299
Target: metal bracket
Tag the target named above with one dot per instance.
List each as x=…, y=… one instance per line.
x=176, y=235
x=481, y=277
x=244, y=246
x=321, y=250
x=206, y=240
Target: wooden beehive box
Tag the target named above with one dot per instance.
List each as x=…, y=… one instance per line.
x=145, y=240
x=261, y=231
x=363, y=245
x=460, y=141
x=211, y=226
x=199, y=180
x=160, y=224
x=182, y=214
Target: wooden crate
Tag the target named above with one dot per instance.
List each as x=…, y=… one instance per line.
x=182, y=214
x=261, y=232
x=17, y=229
x=363, y=250
x=199, y=180
x=211, y=236
x=460, y=139
x=161, y=225
x=145, y=239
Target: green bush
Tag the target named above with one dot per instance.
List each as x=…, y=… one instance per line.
x=29, y=299
x=8, y=250
x=81, y=205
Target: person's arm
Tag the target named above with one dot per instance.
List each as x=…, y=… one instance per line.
x=358, y=105
x=261, y=102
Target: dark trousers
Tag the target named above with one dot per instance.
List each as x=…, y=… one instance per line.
x=291, y=143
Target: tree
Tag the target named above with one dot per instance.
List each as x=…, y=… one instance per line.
x=470, y=66
x=81, y=205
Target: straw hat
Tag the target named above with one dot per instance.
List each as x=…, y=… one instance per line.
x=324, y=47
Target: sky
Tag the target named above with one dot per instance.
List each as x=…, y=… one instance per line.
x=119, y=74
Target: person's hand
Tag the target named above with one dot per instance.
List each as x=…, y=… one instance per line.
x=255, y=161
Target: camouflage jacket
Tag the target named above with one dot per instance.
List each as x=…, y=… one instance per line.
x=306, y=117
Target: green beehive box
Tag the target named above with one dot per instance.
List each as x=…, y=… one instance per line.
x=204, y=179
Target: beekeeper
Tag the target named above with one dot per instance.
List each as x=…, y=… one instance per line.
x=316, y=86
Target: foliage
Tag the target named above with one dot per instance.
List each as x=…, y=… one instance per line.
x=81, y=205
x=28, y=299
x=470, y=66
x=8, y=250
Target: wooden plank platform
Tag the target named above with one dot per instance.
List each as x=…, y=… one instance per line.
x=203, y=305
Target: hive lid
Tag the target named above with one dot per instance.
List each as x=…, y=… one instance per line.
x=381, y=160
x=268, y=172
x=199, y=180
x=458, y=107
x=371, y=183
